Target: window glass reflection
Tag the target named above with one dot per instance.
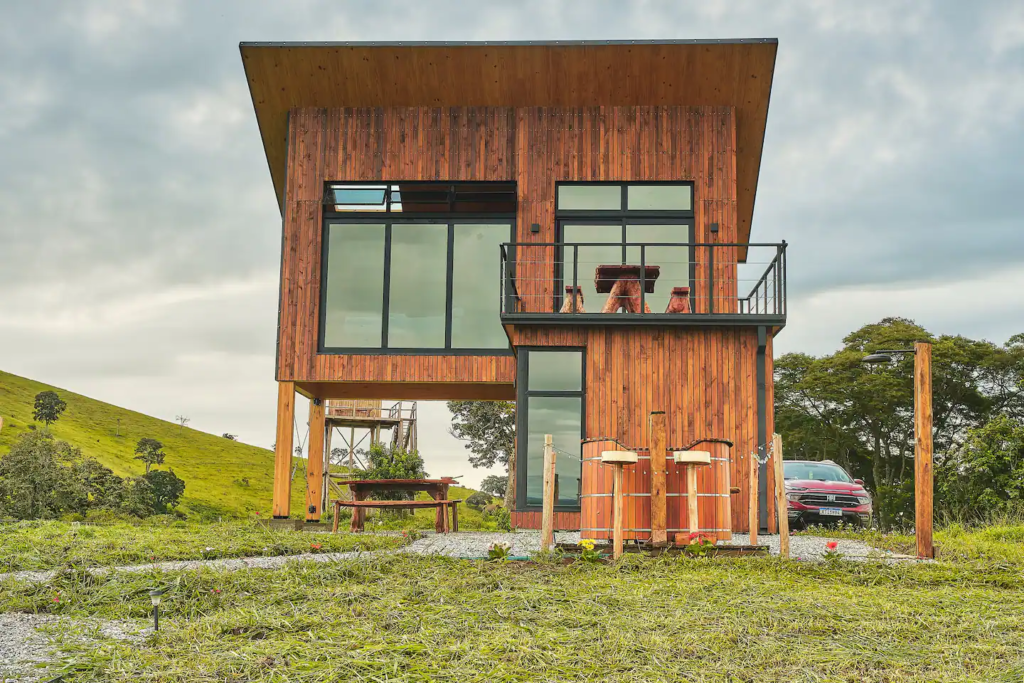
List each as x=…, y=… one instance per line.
x=476, y=286
x=560, y=417
x=416, y=307
x=354, y=297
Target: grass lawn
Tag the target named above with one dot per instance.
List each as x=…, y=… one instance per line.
x=49, y=545
x=402, y=618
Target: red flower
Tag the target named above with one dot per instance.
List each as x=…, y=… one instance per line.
x=315, y=546
x=832, y=545
x=215, y=590
x=257, y=513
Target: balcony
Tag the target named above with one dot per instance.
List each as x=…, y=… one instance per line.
x=643, y=283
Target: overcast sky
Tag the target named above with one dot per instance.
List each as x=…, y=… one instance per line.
x=140, y=238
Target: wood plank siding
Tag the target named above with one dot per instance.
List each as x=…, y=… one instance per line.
x=703, y=378
x=533, y=146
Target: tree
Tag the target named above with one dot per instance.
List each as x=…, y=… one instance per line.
x=838, y=408
x=150, y=451
x=165, y=489
x=478, y=500
x=181, y=420
x=230, y=437
x=48, y=408
x=394, y=463
x=494, y=484
x=985, y=476
x=489, y=430
x=35, y=480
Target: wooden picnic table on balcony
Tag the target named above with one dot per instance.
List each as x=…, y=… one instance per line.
x=437, y=489
x=622, y=284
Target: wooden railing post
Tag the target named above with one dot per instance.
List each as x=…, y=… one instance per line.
x=923, y=486
x=547, y=524
x=781, y=504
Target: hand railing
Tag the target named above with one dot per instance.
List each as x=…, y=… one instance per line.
x=650, y=278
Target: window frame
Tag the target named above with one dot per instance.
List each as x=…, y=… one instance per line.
x=622, y=216
x=388, y=219
x=523, y=394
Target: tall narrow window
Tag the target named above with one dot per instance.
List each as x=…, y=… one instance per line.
x=550, y=401
x=476, y=286
x=354, y=297
x=419, y=285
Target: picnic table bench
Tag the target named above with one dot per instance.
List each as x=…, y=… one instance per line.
x=437, y=489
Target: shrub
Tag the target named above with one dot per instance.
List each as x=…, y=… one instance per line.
x=478, y=501
x=503, y=519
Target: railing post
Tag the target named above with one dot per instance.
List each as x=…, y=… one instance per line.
x=711, y=279
x=509, y=264
x=643, y=277
x=575, y=269
x=784, y=291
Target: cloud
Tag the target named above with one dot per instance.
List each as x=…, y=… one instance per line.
x=140, y=237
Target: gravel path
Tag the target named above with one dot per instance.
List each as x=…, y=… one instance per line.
x=468, y=544
x=23, y=645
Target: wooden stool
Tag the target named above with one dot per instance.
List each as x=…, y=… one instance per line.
x=617, y=459
x=680, y=300
x=622, y=284
x=573, y=302
x=692, y=460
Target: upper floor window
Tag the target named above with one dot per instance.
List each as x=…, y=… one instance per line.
x=609, y=224
x=413, y=267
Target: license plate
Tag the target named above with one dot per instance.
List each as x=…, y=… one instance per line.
x=831, y=512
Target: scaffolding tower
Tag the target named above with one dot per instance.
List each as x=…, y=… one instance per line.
x=363, y=421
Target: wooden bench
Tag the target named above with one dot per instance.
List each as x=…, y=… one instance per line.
x=360, y=505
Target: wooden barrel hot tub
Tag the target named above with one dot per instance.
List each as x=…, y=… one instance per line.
x=713, y=484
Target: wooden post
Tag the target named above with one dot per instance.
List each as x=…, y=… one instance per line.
x=781, y=504
x=315, y=461
x=325, y=496
x=923, y=485
x=617, y=511
x=691, y=498
x=283, y=450
x=547, y=522
x=659, y=455
x=752, y=500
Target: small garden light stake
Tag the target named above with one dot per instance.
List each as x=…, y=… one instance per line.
x=154, y=596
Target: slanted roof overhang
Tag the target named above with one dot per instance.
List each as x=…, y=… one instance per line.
x=736, y=73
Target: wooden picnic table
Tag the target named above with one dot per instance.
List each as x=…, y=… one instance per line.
x=622, y=284
x=437, y=489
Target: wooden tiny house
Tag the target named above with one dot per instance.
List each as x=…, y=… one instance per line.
x=563, y=224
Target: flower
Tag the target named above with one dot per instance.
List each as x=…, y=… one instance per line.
x=215, y=590
x=832, y=545
x=315, y=546
x=57, y=599
x=586, y=543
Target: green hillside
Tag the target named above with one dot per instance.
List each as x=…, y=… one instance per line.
x=222, y=477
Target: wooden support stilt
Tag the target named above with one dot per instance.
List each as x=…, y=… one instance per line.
x=781, y=504
x=617, y=511
x=547, y=526
x=283, y=449
x=325, y=495
x=752, y=500
x=659, y=463
x=923, y=475
x=315, y=461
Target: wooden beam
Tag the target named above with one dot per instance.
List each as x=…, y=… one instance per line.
x=283, y=449
x=752, y=499
x=547, y=524
x=781, y=505
x=315, y=461
x=659, y=454
x=923, y=475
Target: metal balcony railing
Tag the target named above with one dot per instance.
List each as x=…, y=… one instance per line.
x=590, y=281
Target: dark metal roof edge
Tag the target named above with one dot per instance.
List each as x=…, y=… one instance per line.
x=511, y=43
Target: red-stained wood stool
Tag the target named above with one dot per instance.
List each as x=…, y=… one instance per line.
x=622, y=284
x=679, y=302
x=573, y=300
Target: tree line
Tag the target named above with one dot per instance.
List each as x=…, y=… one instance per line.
x=835, y=407
x=42, y=477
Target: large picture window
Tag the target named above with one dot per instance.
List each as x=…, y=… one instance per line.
x=550, y=401
x=414, y=267
x=593, y=215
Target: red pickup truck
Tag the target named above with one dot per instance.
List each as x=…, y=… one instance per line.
x=822, y=492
